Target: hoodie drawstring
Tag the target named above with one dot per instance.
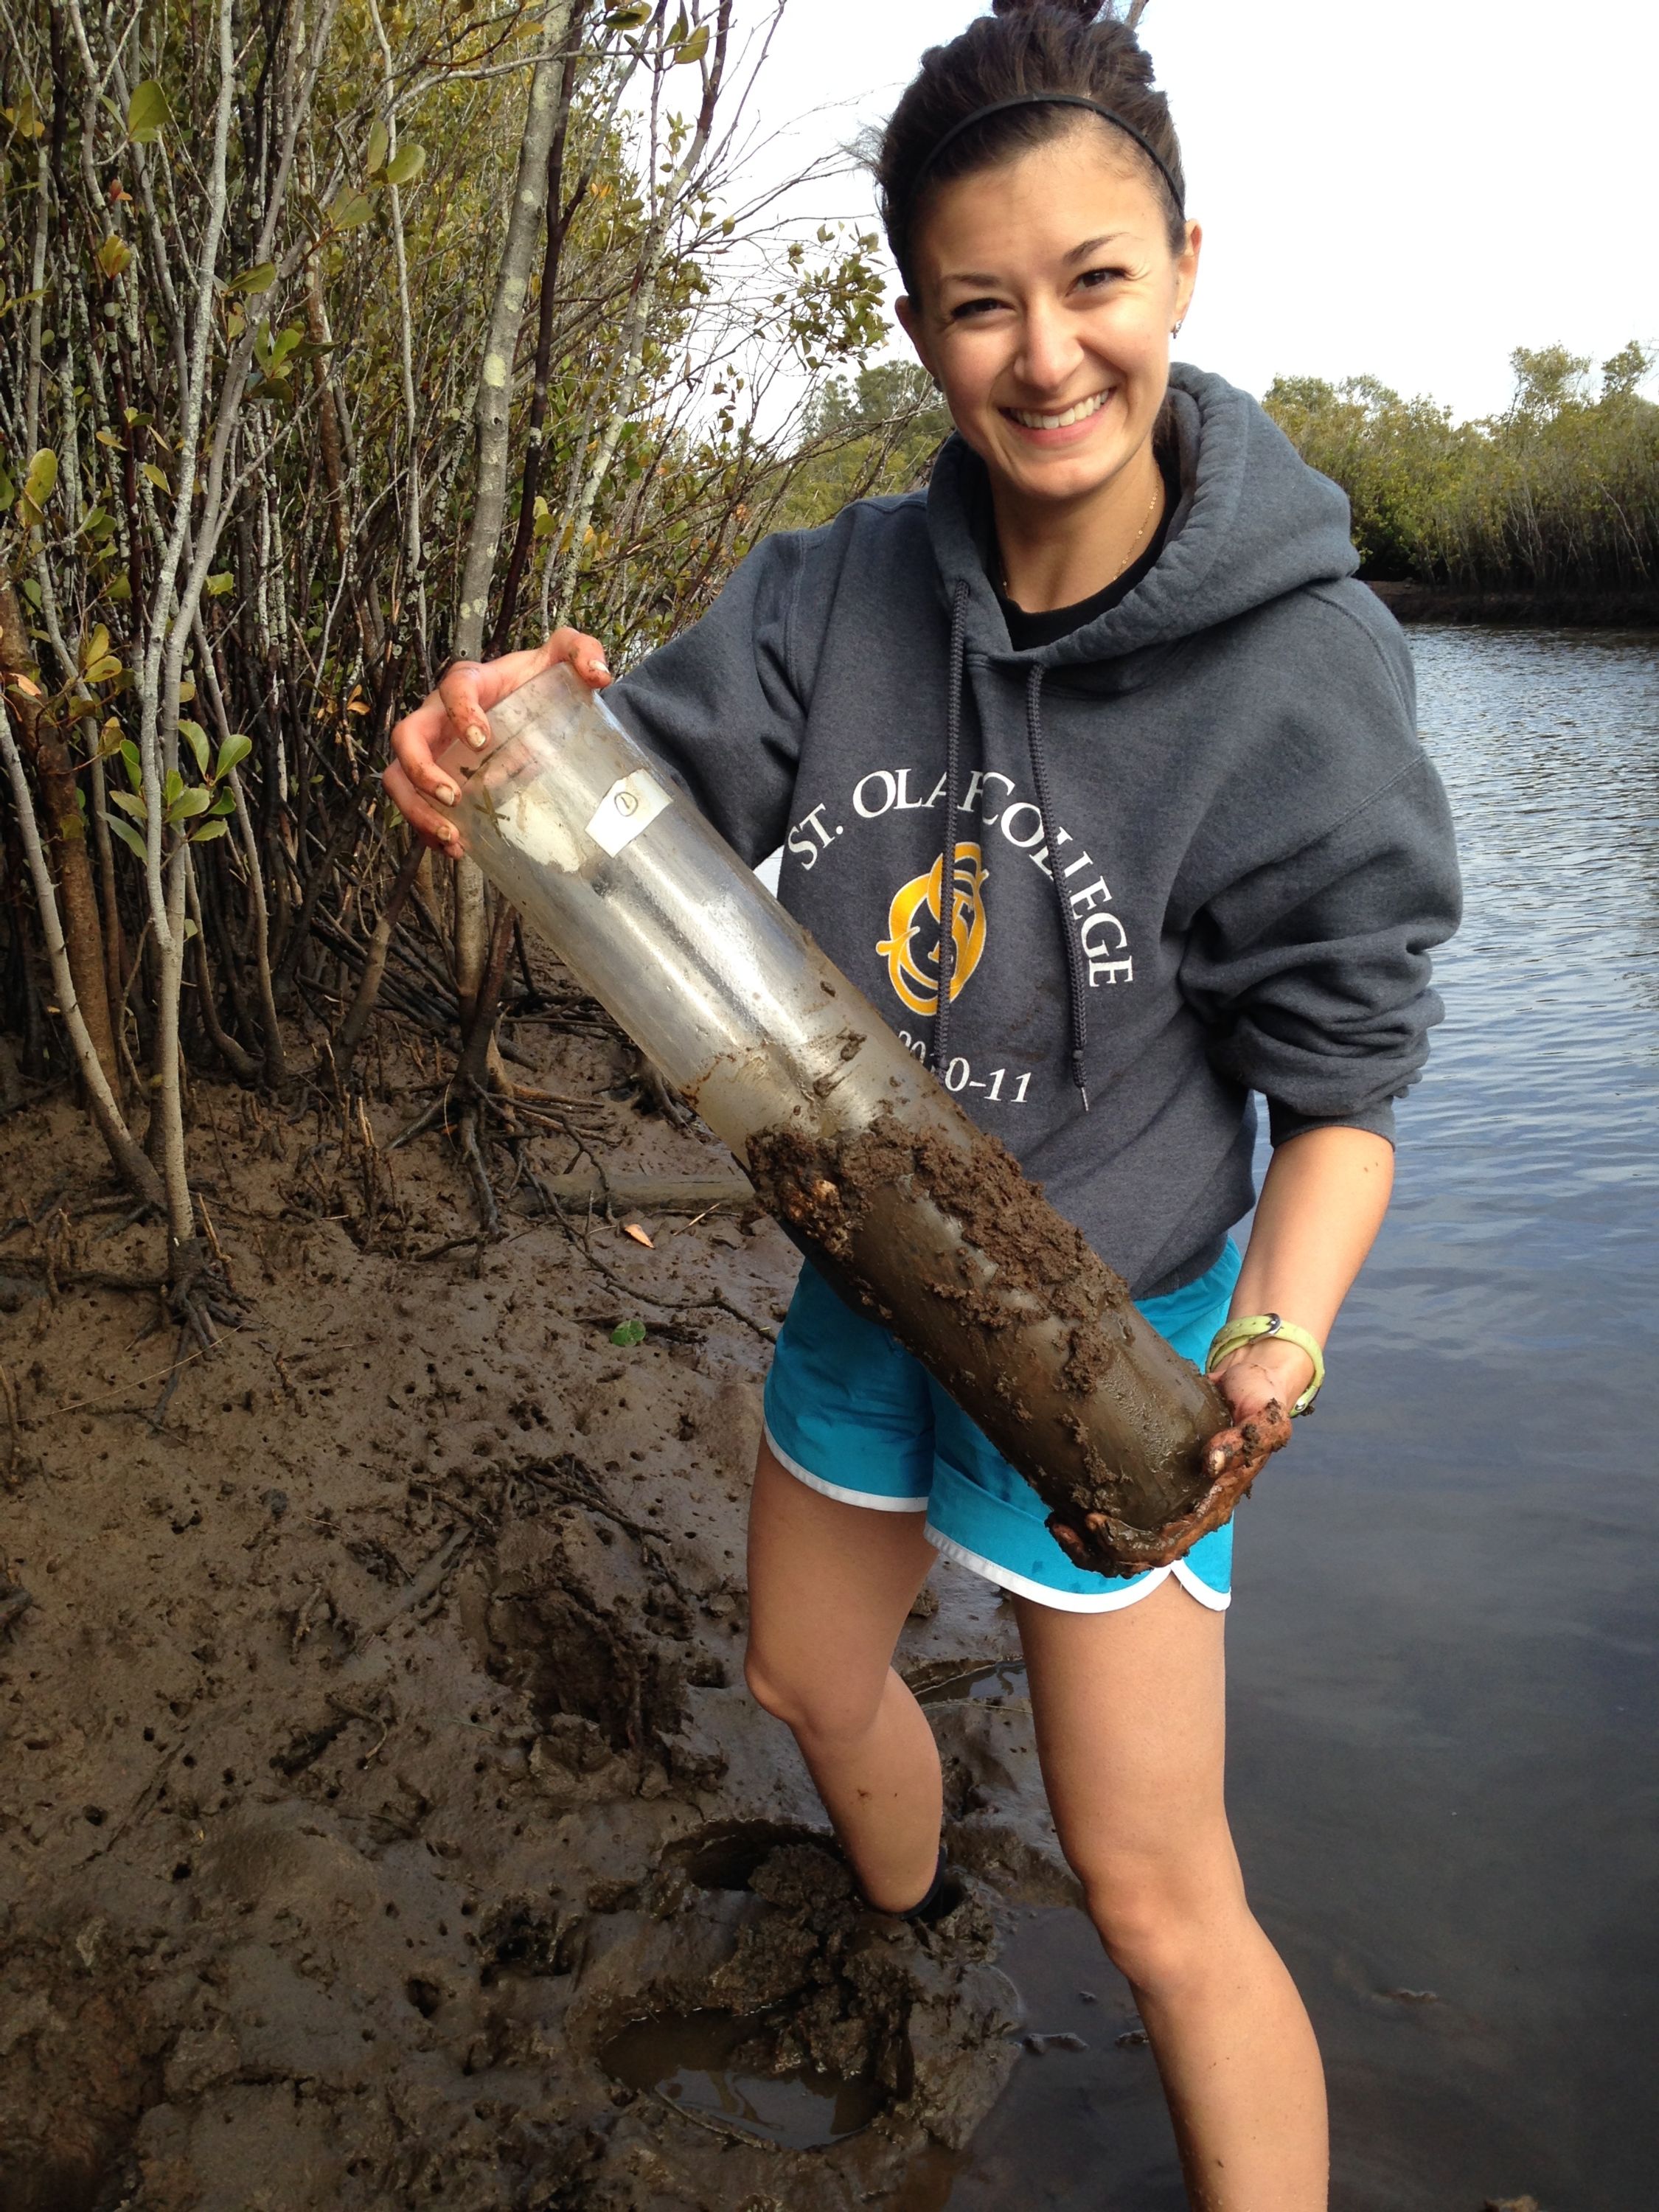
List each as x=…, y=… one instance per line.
x=1067, y=934
x=947, y=879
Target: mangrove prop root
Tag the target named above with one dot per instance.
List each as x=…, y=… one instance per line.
x=941, y=1237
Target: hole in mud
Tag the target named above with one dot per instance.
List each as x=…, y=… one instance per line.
x=726, y=1855
x=714, y=2066
x=1005, y=1679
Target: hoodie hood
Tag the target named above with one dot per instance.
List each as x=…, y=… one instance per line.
x=1254, y=522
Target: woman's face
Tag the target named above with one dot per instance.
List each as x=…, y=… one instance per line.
x=1047, y=291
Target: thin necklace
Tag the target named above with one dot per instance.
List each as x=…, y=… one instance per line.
x=1128, y=562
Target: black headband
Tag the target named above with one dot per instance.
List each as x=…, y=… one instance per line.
x=1063, y=99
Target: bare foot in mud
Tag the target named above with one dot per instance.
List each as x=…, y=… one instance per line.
x=1102, y=1544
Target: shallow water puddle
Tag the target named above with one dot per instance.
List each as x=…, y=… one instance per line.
x=1082, y=2123
x=1004, y=1680
x=694, y=2060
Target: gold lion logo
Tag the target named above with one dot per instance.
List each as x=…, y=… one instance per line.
x=909, y=973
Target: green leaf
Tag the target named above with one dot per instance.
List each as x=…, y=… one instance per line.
x=219, y=583
x=133, y=802
x=42, y=478
x=375, y=160
x=128, y=836
x=628, y=18
x=148, y=113
x=350, y=209
x=130, y=762
x=208, y=830
x=114, y=255
x=197, y=739
x=172, y=789
x=194, y=799
x=693, y=48
x=149, y=469
x=120, y=589
x=260, y=278
x=406, y=164
x=234, y=749
x=224, y=804
x=629, y=1332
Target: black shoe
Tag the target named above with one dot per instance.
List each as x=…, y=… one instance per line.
x=942, y=1896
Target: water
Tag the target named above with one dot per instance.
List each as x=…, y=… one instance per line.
x=694, y=2060
x=1003, y=1680
x=1445, y=1656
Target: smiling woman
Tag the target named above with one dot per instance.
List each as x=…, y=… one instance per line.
x=1094, y=766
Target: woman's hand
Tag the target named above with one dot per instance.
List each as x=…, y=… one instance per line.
x=1260, y=1382
x=456, y=709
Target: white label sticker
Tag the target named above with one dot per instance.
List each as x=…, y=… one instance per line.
x=626, y=809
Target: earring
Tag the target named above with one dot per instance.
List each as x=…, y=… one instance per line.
x=1175, y=328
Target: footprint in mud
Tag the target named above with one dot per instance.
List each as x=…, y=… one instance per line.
x=772, y=2005
x=705, y=2062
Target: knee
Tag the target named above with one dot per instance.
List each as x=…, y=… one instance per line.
x=1163, y=1927
x=808, y=1700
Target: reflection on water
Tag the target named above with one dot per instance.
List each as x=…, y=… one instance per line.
x=1443, y=1656
x=991, y=1682
x=697, y=2061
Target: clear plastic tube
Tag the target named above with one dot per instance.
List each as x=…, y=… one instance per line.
x=912, y=1211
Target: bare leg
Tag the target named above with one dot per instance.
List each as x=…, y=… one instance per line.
x=1130, y=1727
x=829, y=1586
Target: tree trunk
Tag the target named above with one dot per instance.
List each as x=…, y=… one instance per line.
x=66, y=833
x=494, y=409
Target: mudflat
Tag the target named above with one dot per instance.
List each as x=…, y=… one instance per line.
x=376, y=1749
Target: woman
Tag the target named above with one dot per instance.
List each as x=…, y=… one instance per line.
x=1111, y=680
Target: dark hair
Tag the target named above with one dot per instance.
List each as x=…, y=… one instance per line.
x=1025, y=47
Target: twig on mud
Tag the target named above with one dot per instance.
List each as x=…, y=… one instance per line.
x=577, y=1486
x=372, y=1720
x=719, y=1301
x=141, y=1803
x=34, y=1220
x=142, y=1383
x=302, y=1622
x=424, y=1585
x=14, y=1421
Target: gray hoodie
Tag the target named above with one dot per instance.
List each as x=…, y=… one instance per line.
x=1199, y=849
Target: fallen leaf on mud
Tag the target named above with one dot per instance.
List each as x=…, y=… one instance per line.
x=633, y=1229
x=1133, y=2040
x=1413, y=1996
x=628, y=1332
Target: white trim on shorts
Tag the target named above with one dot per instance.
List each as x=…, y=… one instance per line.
x=876, y=1502
x=1076, y=1600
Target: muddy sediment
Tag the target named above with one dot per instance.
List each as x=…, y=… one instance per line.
x=951, y=1245
x=374, y=1742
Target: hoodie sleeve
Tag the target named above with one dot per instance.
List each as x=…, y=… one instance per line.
x=721, y=705
x=1312, y=973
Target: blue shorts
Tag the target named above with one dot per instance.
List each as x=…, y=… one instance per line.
x=852, y=1414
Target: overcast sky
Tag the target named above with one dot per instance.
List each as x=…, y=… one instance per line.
x=1410, y=191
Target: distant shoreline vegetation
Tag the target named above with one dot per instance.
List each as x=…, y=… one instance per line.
x=1551, y=509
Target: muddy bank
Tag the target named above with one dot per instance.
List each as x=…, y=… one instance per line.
x=1003, y=1300
x=1636, y=607
x=375, y=1740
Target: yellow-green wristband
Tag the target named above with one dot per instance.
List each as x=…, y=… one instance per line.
x=1249, y=1327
